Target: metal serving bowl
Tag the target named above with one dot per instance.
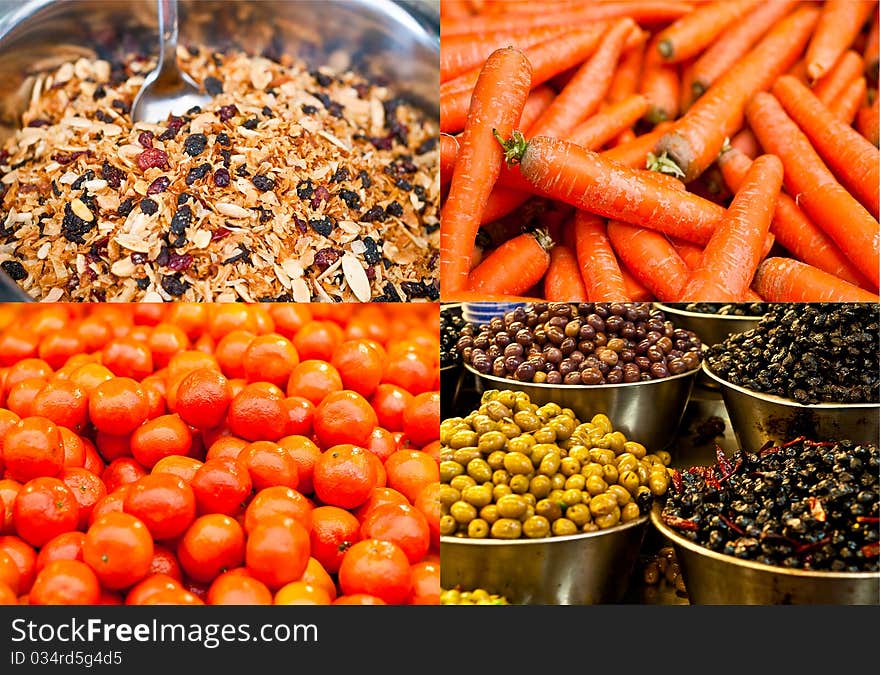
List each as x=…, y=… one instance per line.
x=758, y=418
x=397, y=41
x=710, y=328
x=580, y=569
x=715, y=579
x=647, y=412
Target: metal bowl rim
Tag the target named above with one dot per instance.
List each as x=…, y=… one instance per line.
x=593, y=387
x=678, y=540
x=468, y=541
x=444, y=369
x=779, y=400
x=705, y=315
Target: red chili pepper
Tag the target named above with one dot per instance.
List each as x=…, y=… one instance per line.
x=723, y=463
x=867, y=519
x=680, y=523
x=676, y=480
x=731, y=524
x=871, y=550
x=816, y=509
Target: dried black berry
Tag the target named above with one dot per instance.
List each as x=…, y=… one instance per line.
x=427, y=145
x=194, y=145
x=173, y=285
x=323, y=226
x=143, y=283
x=267, y=111
x=351, y=198
x=213, y=86
x=78, y=183
x=121, y=105
x=221, y=178
x=322, y=79
x=371, y=253
x=263, y=183
x=404, y=184
x=373, y=214
x=304, y=189
x=227, y=157
x=222, y=138
x=364, y=178
x=14, y=269
x=251, y=123
x=242, y=171
x=73, y=227
x=126, y=206
x=394, y=209
x=309, y=109
x=100, y=93
x=227, y=112
x=340, y=175
x=182, y=198
x=182, y=219
x=148, y=206
x=197, y=173
x=111, y=174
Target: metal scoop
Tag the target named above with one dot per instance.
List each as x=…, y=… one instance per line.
x=166, y=90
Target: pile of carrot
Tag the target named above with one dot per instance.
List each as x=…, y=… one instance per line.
x=632, y=150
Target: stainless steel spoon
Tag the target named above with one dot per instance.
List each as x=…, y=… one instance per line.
x=166, y=90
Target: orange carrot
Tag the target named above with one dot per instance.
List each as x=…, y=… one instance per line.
x=854, y=161
x=691, y=254
x=514, y=267
x=645, y=11
x=746, y=143
x=685, y=89
x=660, y=85
x=787, y=280
x=448, y=154
x=831, y=86
x=838, y=26
x=791, y=226
x=546, y=59
x=604, y=126
x=690, y=34
x=868, y=122
x=634, y=290
x=454, y=9
x=625, y=136
x=735, y=42
x=650, y=258
x=588, y=181
x=734, y=251
x=497, y=104
x=536, y=104
x=696, y=139
x=462, y=53
x=828, y=204
x=471, y=296
x=599, y=268
x=799, y=70
x=871, y=54
x=563, y=282
x=634, y=154
x=626, y=77
x=582, y=95
x=848, y=103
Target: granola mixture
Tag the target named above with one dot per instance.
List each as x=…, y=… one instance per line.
x=292, y=185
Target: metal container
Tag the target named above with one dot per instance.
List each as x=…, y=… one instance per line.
x=580, y=569
x=710, y=328
x=715, y=579
x=758, y=418
x=396, y=41
x=647, y=412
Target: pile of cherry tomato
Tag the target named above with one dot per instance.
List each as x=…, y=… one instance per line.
x=219, y=454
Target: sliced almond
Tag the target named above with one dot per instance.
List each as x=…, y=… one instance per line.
x=356, y=278
x=233, y=210
x=81, y=210
x=123, y=267
x=300, y=290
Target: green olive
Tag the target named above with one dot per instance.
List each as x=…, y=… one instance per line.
x=522, y=443
x=463, y=512
x=478, y=495
x=496, y=410
x=602, y=422
x=563, y=527
x=483, y=424
x=540, y=451
x=602, y=505
x=479, y=470
x=449, y=470
x=609, y=519
x=491, y=441
x=500, y=477
x=568, y=412
x=446, y=454
x=576, y=482
x=629, y=512
x=664, y=456
x=511, y=506
x=506, y=528
x=557, y=481
x=509, y=429
x=579, y=514
x=643, y=473
x=581, y=453
x=630, y=480
x=571, y=497
x=465, y=455
x=539, y=486
x=520, y=483
x=526, y=420
x=461, y=482
x=545, y=435
x=658, y=483
x=489, y=513
x=550, y=464
x=549, y=410
x=478, y=529
x=495, y=460
x=448, y=495
x=517, y=463
x=627, y=462
x=531, y=500
x=590, y=527
x=523, y=403
x=499, y=491
x=505, y=397
x=548, y=509
x=610, y=474
x=569, y=466
x=596, y=485
x=621, y=494
x=536, y=527
x=463, y=439
x=593, y=469
x=616, y=442
x=636, y=449
x=563, y=426
x=448, y=525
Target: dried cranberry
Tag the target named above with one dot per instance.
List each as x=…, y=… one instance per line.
x=227, y=112
x=221, y=178
x=321, y=194
x=145, y=138
x=220, y=233
x=326, y=257
x=111, y=174
x=179, y=262
x=159, y=185
x=152, y=157
x=138, y=258
x=62, y=158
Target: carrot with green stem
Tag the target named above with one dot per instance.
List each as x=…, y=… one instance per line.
x=660, y=84
x=645, y=11
x=838, y=26
x=788, y=280
x=734, y=251
x=650, y=257
x=851, y=158
x=815, y=188
x=563, y=282
x=868, y=122
x=585, y=91
x=696, y=139
x=514, y=267
x=496, y=107
x=831, y=86
x=462, y=53
x=791, y=226
x=448, y=154
x=847, y=105
x=693, y=32
x=735, y=42
x=602, y=127
x=599, y=267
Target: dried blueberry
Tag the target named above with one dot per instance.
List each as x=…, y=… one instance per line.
x=182, y=219
x=371, y=252
x=263, y=183
x=427, y=145
x=125, y=207
x=148, y=206
x=309, y=109
x=222, y=138
x=373, y=214
x=221, y=178
x=197, y=173
x=14, y=269
x=213, y=86
x=394, y=209
x=111, y=174
x=304, y=189
x=323, y=226
x=173, y=285
x=340, y=175
x=351, y=198
x=159, y=185
x=194, y=145
x=251, y=123
x=322, y=79
x=182, y=198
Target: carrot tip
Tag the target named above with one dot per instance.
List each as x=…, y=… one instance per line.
x=514, y=147
x=665, y=48
x=663, y=164
x=698, y=88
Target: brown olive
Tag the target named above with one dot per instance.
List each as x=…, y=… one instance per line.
x=536, y=527
x=506, y=528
